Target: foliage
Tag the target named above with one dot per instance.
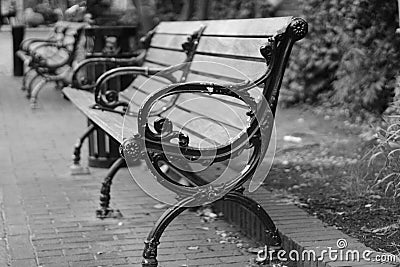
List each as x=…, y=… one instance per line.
x=350, y=57
x=222, y=9
x=388, y=149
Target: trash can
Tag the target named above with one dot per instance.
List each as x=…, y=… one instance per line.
x=18, y=32
x=103, y=149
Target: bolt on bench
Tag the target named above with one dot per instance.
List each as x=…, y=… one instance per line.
x=197, y=118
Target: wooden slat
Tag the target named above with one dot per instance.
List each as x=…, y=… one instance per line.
x=179, y=27
x=199, y=104
x=234, y=27
x=247, y=47
x=111, y=123
x=139, y=90
x=165, y=56
x=228, y=67
x=152, y=65
x=146, y=84
x=202, y=132
x=247, y=27
x=168, y=41
x=196, y=76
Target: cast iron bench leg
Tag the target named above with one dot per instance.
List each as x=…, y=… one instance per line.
x=76, y=167
x=271, y=232
x=25, y=80
x=30, y=84
x=105, y=211
x=35, y=92
x=153, y=239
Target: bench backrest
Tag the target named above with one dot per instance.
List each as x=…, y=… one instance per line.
x=67, y=32
x=249, y=51
x=164, y=49
x=230, y=51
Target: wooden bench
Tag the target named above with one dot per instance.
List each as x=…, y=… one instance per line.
x=193, y=122
x=29, y=45
x=50, y=59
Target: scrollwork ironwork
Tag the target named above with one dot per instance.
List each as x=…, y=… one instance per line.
x=150, y=253
x=192, y=41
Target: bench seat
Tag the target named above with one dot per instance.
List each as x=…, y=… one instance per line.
x=112, y=123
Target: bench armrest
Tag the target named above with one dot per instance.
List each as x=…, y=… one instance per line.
x=70, y=49
x=25, y=45
x=38, y=61
x=159, y=145
x=108, y=98
x=116, y=62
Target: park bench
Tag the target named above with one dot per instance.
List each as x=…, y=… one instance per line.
x=221, y=103
x=49, y=59
x=57, y=33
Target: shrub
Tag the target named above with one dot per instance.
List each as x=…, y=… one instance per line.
x=388, y=149
x=350, y=57
x=222, y=9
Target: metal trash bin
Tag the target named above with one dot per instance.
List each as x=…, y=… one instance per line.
x=103, y=149
x=18, y=32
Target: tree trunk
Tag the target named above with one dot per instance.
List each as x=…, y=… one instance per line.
x=147, y=12
x=187, y=10
x=203, y=7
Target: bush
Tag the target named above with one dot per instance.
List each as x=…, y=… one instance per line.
x=388, y=149
x=350, y=57
x=222, y=9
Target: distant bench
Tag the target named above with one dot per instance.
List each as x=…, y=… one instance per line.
x=47, y=59
x=189, y=121
x=57, y=57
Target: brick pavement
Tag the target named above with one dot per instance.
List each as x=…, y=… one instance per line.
x=48, y=216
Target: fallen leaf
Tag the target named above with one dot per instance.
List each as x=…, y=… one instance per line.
x=293, y=139
x=386, y=229
x=365, y=229
x=254, y=250
x=160, y=206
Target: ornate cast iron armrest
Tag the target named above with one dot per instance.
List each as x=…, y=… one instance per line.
x=132, y=61
x=39, y=62
x=108, y=99
x=158, y=146
x=25, y=45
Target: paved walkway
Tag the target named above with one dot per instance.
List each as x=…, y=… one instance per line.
x=48, y=216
